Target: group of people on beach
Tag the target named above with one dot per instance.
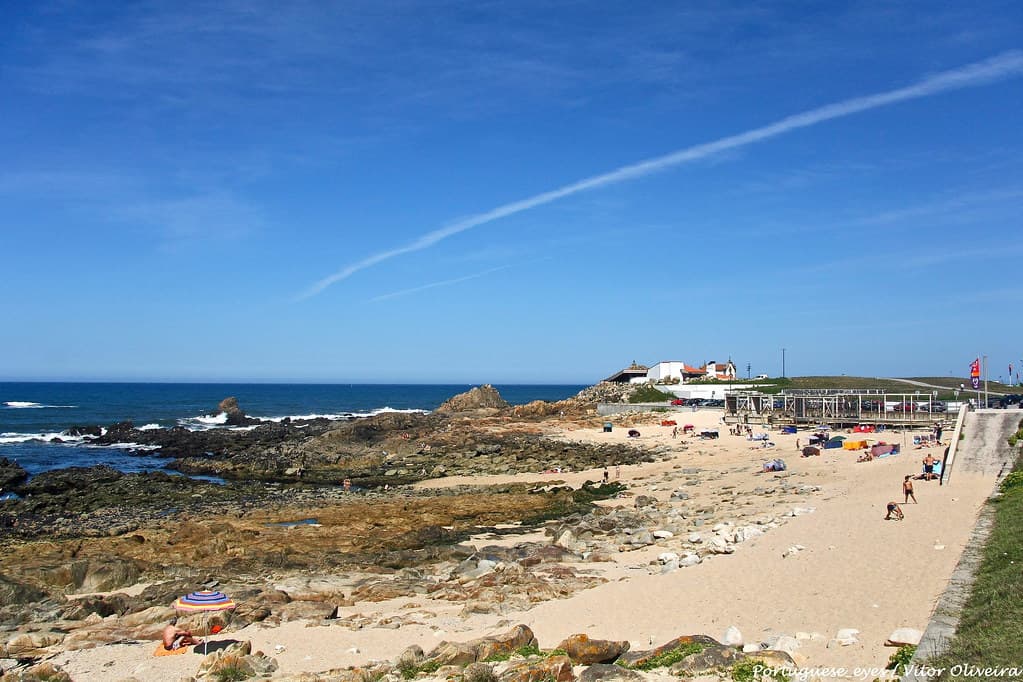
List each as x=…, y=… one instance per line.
x=894, y=509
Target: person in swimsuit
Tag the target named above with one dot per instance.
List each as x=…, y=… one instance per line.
x=929, y=467
x=894, y=511
x=175, y=638
x=907, y=489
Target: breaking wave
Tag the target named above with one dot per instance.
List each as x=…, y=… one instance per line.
x=27, y=405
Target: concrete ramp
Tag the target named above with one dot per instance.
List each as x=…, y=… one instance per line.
x=984, y=448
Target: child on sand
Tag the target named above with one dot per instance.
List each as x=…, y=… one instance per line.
x=907, y=489
x=894, y=510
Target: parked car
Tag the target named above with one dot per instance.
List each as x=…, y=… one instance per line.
x=678, y=401
x=933, y=406
x=905, y=407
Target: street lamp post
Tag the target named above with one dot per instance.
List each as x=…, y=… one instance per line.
x=782, y=363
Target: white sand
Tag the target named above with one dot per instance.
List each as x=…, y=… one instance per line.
x=857, y=571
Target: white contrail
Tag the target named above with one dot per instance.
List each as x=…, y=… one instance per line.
x=1003, y=66
x=433, y=285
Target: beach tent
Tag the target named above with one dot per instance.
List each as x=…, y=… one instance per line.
x=864, y=428
x=788, y=429
x=854, y=444
x=834, y=442
x=633, y=433
x=810, y=451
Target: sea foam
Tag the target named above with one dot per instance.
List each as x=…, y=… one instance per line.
x=28, y=405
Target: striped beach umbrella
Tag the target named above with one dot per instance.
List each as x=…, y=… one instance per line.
x=204, y=601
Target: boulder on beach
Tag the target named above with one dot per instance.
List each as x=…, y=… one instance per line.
x=478, y=398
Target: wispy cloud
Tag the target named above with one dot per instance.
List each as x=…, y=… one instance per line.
x=1003, y=66
x=434, y=285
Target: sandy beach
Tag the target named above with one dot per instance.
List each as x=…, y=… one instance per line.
x=854, y=570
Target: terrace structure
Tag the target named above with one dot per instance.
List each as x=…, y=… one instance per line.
x=836, y=407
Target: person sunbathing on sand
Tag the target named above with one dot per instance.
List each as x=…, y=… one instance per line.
x=175, y=638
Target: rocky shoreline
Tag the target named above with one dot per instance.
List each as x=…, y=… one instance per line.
x=88, y=529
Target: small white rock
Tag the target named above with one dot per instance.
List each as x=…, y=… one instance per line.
x=904, y=636
x=732, y=637
x=667, y=557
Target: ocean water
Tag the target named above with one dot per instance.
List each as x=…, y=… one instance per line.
x=31, y=414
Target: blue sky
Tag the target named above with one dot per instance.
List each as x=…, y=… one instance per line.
x=508, y=192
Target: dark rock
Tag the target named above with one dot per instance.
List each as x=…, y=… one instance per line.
x=88, y=430
x=601, y=672
x=12, y=474
x=71, y=478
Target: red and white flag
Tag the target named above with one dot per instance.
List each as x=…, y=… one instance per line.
x=975, y=368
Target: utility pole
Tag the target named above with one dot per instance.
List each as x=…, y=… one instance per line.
x=749, y=374
x=782, y=363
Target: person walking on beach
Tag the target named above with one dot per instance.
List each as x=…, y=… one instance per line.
x=606, y=475
x=907, y=489
x=894, y=511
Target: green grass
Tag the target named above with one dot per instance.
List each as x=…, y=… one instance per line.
x=1017, y=437
x=990, y=629
x=649, y=394
x=898, y=661
x=230, y=674
x=673, y=656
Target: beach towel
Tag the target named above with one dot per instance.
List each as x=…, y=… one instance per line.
x=161, y=651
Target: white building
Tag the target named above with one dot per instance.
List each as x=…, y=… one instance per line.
x=666, y=369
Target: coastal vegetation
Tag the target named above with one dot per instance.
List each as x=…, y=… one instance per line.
x=649, y=394
x=672, y=656
x=990, y=629
x=1017, y=437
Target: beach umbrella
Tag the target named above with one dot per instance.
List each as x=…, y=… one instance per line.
x=204, y=602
